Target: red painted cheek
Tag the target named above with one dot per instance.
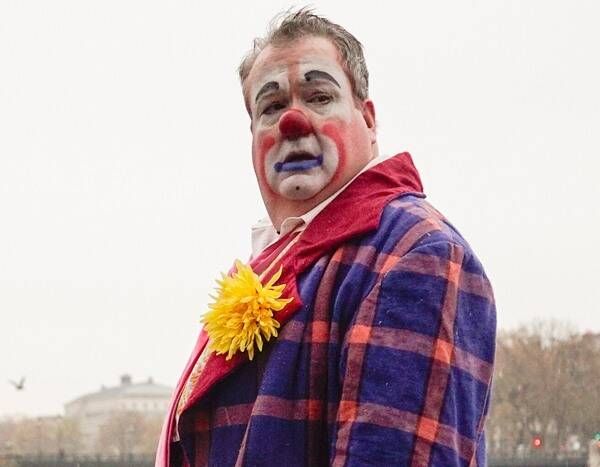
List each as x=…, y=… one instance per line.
x=265, y=141
x=337, y=133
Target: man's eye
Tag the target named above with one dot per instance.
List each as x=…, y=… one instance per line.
x=322, y=99
x=272, y=108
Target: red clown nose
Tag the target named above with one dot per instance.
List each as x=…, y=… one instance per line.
x=294, y=124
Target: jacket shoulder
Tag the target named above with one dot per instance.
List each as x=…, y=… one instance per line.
x=409, y=222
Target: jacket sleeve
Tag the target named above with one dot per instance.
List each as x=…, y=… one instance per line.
x=416, y=364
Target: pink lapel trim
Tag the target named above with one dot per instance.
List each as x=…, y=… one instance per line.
x=163, y=450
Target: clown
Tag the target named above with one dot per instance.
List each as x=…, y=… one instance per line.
x=362, y=330
x=310, y=134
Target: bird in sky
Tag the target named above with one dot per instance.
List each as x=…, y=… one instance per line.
x=18, y=386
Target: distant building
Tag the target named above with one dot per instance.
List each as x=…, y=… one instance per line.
x=92, y=411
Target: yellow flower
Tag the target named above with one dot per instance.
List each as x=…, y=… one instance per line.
x=242, y=313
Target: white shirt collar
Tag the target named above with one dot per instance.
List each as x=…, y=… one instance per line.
x=264, y=234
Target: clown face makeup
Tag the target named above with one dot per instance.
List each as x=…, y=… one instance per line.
x=310, y=135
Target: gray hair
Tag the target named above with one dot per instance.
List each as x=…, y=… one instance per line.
x=293, y=25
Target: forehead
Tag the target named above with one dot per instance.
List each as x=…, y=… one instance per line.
x=309, y=53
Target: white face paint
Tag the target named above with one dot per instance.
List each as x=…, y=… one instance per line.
x=300, y=168
x=309, y=135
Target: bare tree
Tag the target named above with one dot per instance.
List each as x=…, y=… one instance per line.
x=129, y=433
x=546, y=386
x=43, y=436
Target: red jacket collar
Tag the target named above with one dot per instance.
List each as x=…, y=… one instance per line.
x=357, y=210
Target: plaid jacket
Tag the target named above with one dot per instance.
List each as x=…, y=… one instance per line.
x=385, y=360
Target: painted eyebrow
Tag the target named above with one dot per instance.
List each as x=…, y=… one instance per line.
x=318, y=74
x=270, y=86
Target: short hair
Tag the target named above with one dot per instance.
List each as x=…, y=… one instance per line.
x=291, y=25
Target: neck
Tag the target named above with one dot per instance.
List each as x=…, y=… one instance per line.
x=280, y=209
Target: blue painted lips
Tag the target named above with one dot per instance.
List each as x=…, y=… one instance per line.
x=297, y=166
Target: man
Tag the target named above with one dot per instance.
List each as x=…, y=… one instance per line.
x=362, y=331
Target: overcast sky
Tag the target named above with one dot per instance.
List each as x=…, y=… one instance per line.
x=126, y=183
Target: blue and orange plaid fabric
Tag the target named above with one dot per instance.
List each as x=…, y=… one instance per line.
x=388, y=362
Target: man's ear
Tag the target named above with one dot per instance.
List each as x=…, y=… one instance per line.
x=368, y=113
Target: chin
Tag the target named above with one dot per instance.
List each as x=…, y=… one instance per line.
x=301, y=187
